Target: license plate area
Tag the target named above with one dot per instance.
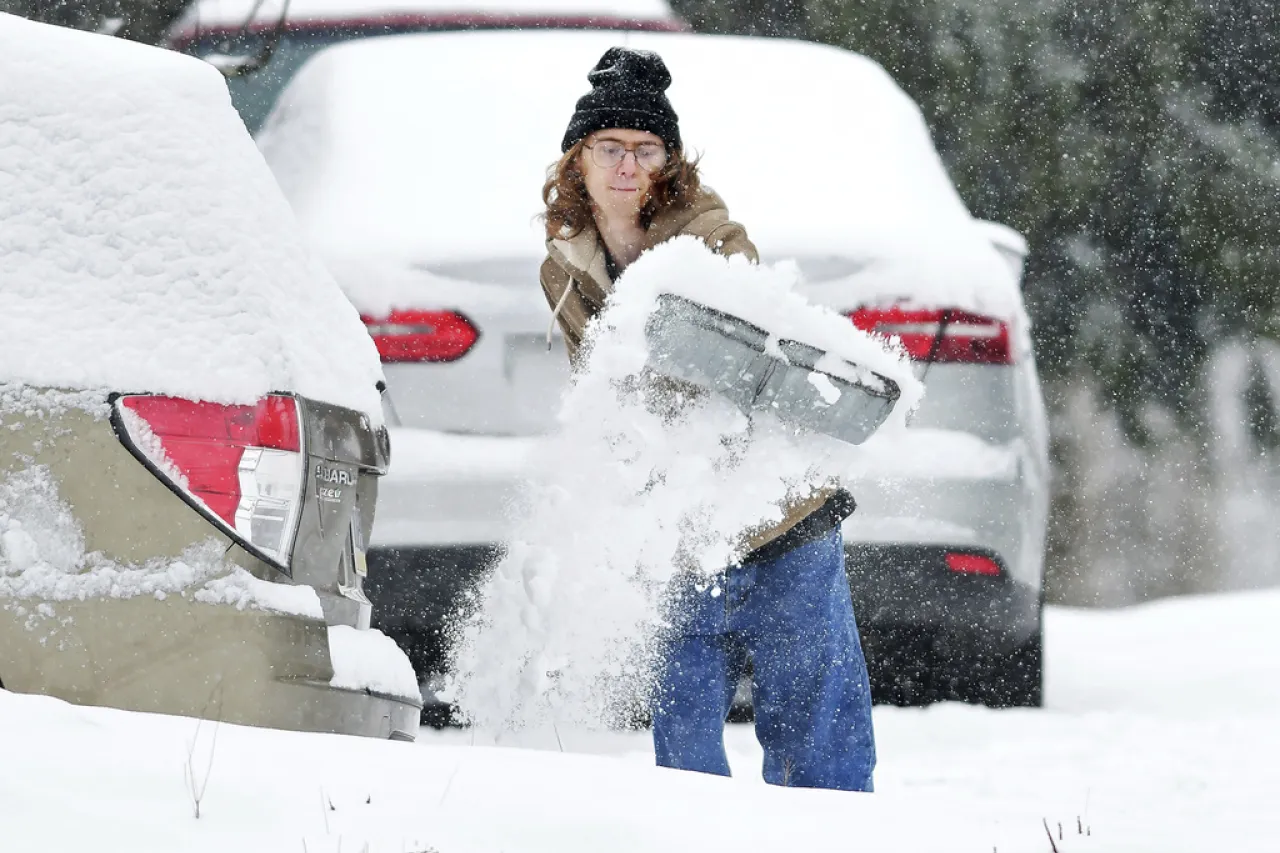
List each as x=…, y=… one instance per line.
x=535, y=379
x=355, y=565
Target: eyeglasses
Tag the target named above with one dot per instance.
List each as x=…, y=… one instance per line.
x=608, y=153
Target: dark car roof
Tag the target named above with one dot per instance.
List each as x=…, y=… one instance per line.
x=406, y=23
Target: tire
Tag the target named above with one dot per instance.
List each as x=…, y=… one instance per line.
x=901, y=666
x=439, y=717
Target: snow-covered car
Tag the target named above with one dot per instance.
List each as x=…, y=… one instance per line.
x=432, y=234
x=191, y=419
x=946, y=551
x=240, y=33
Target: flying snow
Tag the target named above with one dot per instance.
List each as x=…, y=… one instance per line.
x=642, y=481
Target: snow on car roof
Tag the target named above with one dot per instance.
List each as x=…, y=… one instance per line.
x=433, y=147
x=215, y=13
x=143, y=243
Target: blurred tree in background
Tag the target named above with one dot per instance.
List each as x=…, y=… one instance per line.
x=139, y=20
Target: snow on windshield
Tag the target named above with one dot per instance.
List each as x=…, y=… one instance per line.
x=365, y=147
x=623, y=495
x=144, y=245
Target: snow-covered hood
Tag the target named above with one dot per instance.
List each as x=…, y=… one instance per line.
x=144, y=245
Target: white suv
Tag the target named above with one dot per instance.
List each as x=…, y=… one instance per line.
x=416, y=163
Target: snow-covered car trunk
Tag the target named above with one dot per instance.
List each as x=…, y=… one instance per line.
x=399, y=203
x=191, y=429
x=464, y=347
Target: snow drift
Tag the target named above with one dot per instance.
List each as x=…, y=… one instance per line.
x=627, y=493
x=144, y=245
x=1159, y=735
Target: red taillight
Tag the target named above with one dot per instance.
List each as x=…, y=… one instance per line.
x=243, y=464
x=967, y=338
x=972, y=564
x=422, y=335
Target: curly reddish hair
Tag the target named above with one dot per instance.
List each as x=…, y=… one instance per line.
x=569, y=205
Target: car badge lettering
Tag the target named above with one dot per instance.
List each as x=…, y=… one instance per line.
x=329, y=482
x=334, y=476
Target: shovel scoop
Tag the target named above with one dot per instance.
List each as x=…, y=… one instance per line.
x=728, y=356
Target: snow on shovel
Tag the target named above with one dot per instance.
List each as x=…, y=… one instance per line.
x=802, y=385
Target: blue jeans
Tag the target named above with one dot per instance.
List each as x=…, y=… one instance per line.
x=793, y=618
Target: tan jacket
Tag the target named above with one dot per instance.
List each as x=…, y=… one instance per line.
x=576, y=282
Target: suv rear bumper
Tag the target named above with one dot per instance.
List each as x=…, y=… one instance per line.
x=902, y=586
x=176, y=656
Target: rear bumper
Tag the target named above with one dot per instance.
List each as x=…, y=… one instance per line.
x=987, y=513
x=909, y=586
x=175, y=656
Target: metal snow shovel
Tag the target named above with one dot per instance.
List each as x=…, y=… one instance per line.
x=725, y=354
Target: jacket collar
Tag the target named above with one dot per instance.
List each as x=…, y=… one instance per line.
x=583, y=257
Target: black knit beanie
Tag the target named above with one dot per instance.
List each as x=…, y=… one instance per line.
x=629, y=92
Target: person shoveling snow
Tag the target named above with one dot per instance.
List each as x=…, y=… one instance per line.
x=673, y=534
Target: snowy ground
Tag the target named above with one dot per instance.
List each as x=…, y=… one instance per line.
x=1160, y=735
x=1160, y=732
